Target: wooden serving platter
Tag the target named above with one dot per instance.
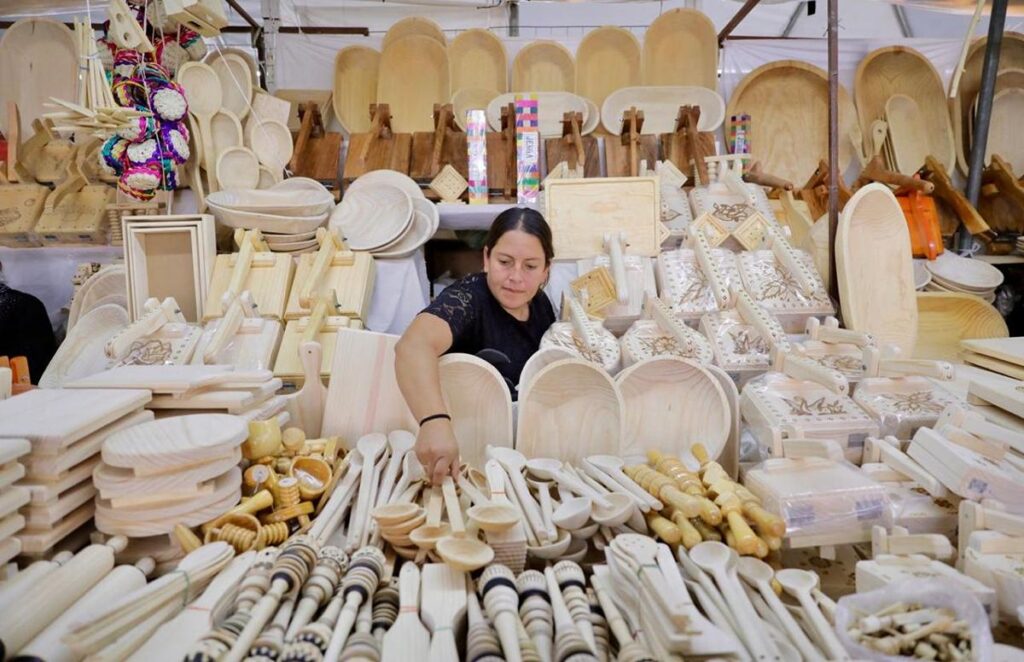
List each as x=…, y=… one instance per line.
x=480, y=404
x=660, y=106
x=543, y=66
x=58, y=469
x=413, y=77
x=571, y=409
x=788, y=105
x=681, y=48
x=414, y=26
x=903, y=70
x=947, y=318
x=607, y=59
x=268, y=280
x=875, y=268
x=164, y=445
x=20, y=208
x=777, y=290
x=582, y=211
x=651, y=391
x=478, y=60
x=373, y=402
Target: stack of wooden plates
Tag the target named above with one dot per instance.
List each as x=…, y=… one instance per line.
x=295, y=206
x=385, y=213
x=11, y=498
x=66, y=430
x=291, y=242
x=921, y=274
x=952, y=273
x=181, y=470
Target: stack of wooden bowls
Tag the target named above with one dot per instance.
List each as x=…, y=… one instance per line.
x=290, y=212
x=385, y=213
x=953, y=273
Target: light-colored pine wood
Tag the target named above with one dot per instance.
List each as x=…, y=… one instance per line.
x=408, y=637
x=470, y=98
x=660, y=106
x=424, y=224
x=993, y=365
x=268, y=281
x=227, y=131
x=875, y=269
x=350, y=275
x=39, y=541
x=479, y=403
x=114, y=482
x=907, y=133
x=902, y=70
x=551, y=106
x=173, y=379
x=356, y=69
x=478, y=60
x=1010, y=350
x=231, y=401
x=571, y=409
x=651, y=392
x=271, y=142
x=373, y=217
x=607, y=59
x=38, y=60
x=681, y=48
x=413, y=77
x=46, y=490
x=306, y=405
x=174, y=442
x=225, y=487
x=205, y=98
x=944, y=319
x=1004, y=135
x=543, y=66
x=788, y=105
x=582, y=211
x=238, y=167
x=51, y=514
x=236, y=82
x=289, y=364
x=371, y=403
x=414, y=26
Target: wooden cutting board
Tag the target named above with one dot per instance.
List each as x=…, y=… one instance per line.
x=174, y=442
x=53, y=419
x=38, y=59
x=46, y=492
x=49, y=514
x=11, y=448
x=173, y=379
x=38, y=541
x=231, y=401
x=480, y=404
x=1010, y=350
x=371, y=403
x=59, y=468
x=225, y=486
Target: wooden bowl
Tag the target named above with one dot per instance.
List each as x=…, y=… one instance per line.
x=313, y=475
x=494, y=516
x=553, y=550
x=464, y=554
x=425, y=537
x=398, y=541
x=396, y=513
x=403, y=528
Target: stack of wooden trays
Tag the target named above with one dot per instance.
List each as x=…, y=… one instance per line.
x=294, y=207
x=952, y=273
x=385, y=213
x=11, y=498
x=66, y=430
x=181, y=470
x=1000, y=355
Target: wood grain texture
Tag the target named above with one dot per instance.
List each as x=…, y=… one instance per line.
x=608, y=58
x=681, y=48
x=1005, y=137
x=356, y=69
x=163, y=445
x=232, y=401
x=38, y=541
x=38, y=60
x=908, y=133
x=788, y=106
x=269, y=285
x=373, y=217
x=413, y=77
x=544, y=66
x=62, y=470
x=114, y=482
x=902, y=70
x=479, y=402
x=371, y=403
x=225, y=487
x=352, y=285
x=414, y=26
x=875, y=268
x=944, y=319
x=478, y=60
x=671, y=404
x=571, y=409
x=1010, y=350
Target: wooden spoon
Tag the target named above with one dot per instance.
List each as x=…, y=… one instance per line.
x=202, y=88
x=573, y=513
x=395, y=513
x=408, y=637
x=370, y=447
x=306, y=406
x=513, y=462
x=412, y=471
x=552, y=550
x=611, y=467
x=551, y=469
x=462, y=553
x=544, y=493
x=799, y=584
x=426, y=536
x=759, y=574
x=400, y=442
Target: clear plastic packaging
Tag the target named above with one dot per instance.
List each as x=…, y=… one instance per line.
x=902, y=405
x=928, y=593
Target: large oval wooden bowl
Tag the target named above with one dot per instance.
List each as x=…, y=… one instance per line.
x=607, y=59
x=544, y=66
x=356, y=69
x=681, y=48
x=946, y=318
x=478, y=60
x=479, y=402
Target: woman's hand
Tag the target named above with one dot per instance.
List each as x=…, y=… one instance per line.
x=437, y=450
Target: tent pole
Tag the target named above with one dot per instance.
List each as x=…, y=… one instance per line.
x=793, y=18
x=976, y=160
x=747, y=7
x=833, y=143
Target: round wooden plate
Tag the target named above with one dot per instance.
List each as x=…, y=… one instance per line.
x=571, y=409
x=478, y=60
x=681, y=48
x=470, y=98
x=544, y=66
x=419, y=232
x=226, y=131
x=480, y=404
x=236, y=81
x=921, y=274
x=661, y=105
x=414, y=26
x=169, y=443
x=965, y=272
x=356, y=69
x=372, y=217
x=608, y=58
x=238, y=168
x=413, y=77
x=272, y=143
x=388, y=177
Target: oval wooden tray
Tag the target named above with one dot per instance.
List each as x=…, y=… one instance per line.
x=356, y=69
x=788, y=105
x=1005, y=137
x=480, y=404
x=478, y=60
x=907, y=133
x=234, y=218
x=607, y=59
x=414, y=26
x=235, y=81
x=550, y=108
x=946, y=318
x=652, y=391
x=271, y=142
x=875, y=268
x=413, y=77
x=373, y=217
x=902, y=70
x=470, y=98
x=38, y=60
x=1011, y=56
x=571, y=409
x=226, y=131
x=544, y=66
x=661, y=105
x=250, y=63
x=278, y=201
x=424, y=225
x=681, y=48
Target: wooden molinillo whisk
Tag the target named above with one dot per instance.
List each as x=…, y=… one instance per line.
x=569, y=645
x=573, y=583
x=358, y=586
x=319, y=587
x=385, y=610
x=535, y=611
x=267, y=647
x=482, y=643
x=498, y=587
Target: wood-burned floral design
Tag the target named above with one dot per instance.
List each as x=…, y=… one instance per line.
x=776, y=281
x=746, y=341
x=732, y=213
x=918, y=402
x=849, y=365
x=148, y=352
x=659, y=345
x=799, y=406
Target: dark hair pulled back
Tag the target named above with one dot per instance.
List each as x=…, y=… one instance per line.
x=525, y=220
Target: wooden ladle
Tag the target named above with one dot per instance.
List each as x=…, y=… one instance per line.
x=799, y=584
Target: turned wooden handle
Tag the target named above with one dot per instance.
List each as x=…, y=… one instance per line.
x=664, y=528
x=876, y=171
x=803, y=368
x=690, y=535
x=767, y=523
x=226, y=329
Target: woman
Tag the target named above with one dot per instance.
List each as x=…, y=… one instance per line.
x=499, y=314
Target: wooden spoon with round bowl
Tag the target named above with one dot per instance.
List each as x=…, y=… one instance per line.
x=426, y=536
x=463, y=552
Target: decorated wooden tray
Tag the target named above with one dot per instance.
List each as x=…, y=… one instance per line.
x=902, y=405
x=607, y=59
x=602, y=349
x=543, y=66
x=550, y=108
x=413, y=77
x=739, y=346
x=730, y=207
x=650, y=390
x=20, y=208
x=778, y=407
x=903, y=70
x=570, y=401
x=777, y=289
x=946, y=318
x=480, y=404
x=681, y=48
x=478, y=60
x=846, y=358
x=684, y=284
x=414, y=26
x=788, y=106
x=349, y=274
x=660, y=106
x=875, y=269
x=355, y=87
x=662, y=334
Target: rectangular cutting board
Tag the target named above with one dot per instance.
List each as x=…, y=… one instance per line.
x=53, y=419
x=172, y=379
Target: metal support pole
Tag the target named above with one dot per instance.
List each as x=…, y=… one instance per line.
x=513, y=19
x=976, y=161
x=747, y=7
x=833, y=143
x=793, y=18
x=271, y=10
x=901, y=17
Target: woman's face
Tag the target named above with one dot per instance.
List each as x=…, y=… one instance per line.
x=516, y=269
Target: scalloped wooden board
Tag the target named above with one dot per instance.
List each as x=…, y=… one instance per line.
x=59, y=468
x=480, y=404
x=356, y=69
x=225, y=486
x=48, y=491
x=607, y=59
x=174, y=442
x=946, y=318
x=571, y=409
x=478, y=60
x=681, y=48
x=413, y=77
x=875, y=268
x=53, y=419
x=543, y=66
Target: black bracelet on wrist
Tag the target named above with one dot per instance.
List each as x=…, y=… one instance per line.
x=434, y=416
